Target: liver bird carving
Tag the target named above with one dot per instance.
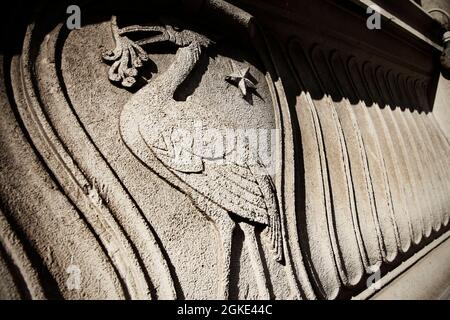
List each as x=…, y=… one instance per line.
x=228, y=194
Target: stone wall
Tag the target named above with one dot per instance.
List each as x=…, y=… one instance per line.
x=213, y=149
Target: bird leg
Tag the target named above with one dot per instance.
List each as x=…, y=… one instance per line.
x=225, y=227
x=255, y=259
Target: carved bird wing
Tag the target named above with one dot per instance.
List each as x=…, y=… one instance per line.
x=239, y=189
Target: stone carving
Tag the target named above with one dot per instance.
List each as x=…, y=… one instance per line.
x=227, y=193
x=240, y=78
x=113, y=175
x=127, y=154
x=129, y=55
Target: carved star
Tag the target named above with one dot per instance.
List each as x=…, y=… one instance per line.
x=240, y=78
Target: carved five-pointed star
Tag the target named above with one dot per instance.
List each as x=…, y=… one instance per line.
x=240, y=78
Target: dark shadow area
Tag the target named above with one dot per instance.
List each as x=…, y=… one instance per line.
x=236, y=254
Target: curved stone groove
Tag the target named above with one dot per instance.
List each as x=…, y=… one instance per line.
x=396, y=169
x=377, y=165
x=366, y=229
x=140, y=234
x=331, y=289
x=443, y=148
x=401, y=167
x=319, y=253
x=425, y=211
x=13, y=286
x=435, y=202
x=429, y=180
x=440, y=145
x=83, y=193
x=416, y=212
x=439, y=171
x=386, y=146
x=26, y=188
x=401, y=226
x=408, y=167
x=53, y=161
x=13, y=247
x=344, y=224
x=353, y=145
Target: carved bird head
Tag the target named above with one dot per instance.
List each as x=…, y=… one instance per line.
x=129, y=55
x=184, y=37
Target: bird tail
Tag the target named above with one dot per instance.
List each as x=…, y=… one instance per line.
x=273, y=211
x=275, y=235
x=274, y=216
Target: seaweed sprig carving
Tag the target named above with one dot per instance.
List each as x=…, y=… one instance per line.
x=128, y=55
